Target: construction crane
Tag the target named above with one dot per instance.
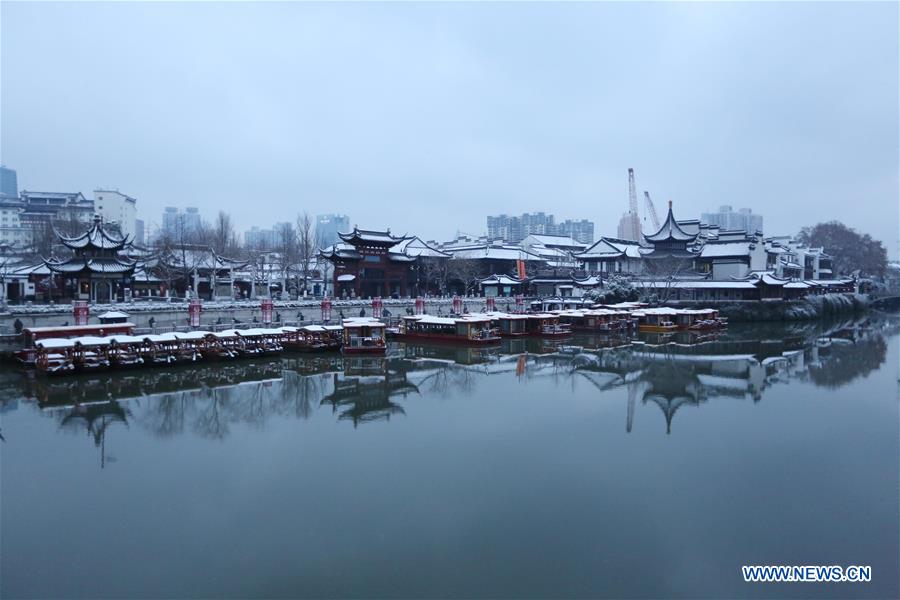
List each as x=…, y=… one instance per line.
x=633, y=208
x=651, y=210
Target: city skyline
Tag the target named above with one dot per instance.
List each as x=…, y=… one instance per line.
x=424, y=119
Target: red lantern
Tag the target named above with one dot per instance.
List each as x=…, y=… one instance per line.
x=457, y=305
x=194, y=308
x=420, y=305
x=266, y=308
x=377, y=307
x=82, y=310
x=326, y=309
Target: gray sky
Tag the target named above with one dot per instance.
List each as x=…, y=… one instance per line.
x=428, y=117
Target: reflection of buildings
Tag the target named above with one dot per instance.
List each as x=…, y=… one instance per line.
x=208, y=400
x=367, y=398
x=96, y=419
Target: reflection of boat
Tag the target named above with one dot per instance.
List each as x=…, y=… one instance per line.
x=656, y=320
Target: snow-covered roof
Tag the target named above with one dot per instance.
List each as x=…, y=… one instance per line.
x=367, y=235
x=113, y=314
x=493, y=253
x=346, y=277
x=670, y=230
x=724, y=249
x=363, y=322
x=500, y=280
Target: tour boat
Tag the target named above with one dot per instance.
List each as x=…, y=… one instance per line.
x=363, y=335
x=510, y=325
x=699, y=319
x=547, y=325
x=656, y=320
x=30, y=335
x=463, y=329
x=598, y=320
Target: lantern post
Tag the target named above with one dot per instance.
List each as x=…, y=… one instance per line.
x=81, y=311
x=420, y=305
x=265, y=306
x=377, y=307
x=326, y=309
x=520, y=303
x=489, y=304
x=194, y=308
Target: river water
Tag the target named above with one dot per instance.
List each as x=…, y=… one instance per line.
x=588, y=468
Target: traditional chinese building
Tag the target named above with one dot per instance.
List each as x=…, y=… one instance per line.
x=96, y=271
x=671, y=242
x=376, y=263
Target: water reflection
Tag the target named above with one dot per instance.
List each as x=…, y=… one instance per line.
x=666, y=372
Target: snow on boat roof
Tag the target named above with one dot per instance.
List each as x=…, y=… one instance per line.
x=430, y=320
x=333, y=327
x=192, y=335
x=363, y=322
x=113, y=314
x=63, y=329
x=313, y=328
x=51, y=343
x=126, y=339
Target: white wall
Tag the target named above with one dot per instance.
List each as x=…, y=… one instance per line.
x=116, y=207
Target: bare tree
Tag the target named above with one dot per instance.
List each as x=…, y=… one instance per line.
x=224, y=239
x=467, y=271
x=286, y=247
x=307, y=248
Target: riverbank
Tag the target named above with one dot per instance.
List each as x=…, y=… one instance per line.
x=801, y=309
x=174, y=313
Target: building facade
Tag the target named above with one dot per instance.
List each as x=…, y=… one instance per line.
x=9, y=183
x=727, y=219
x=329, y=226
x=116, y=207
x=96, y=270
x=581, y=231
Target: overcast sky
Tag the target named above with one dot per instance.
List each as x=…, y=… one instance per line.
x=428, y=117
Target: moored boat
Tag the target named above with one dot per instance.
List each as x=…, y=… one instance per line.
x=466, y=329
x=363, y=335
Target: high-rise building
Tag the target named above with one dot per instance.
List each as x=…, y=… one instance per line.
x=581, y=231
x=139, y=235
x=515, y=229
x=9, y=183
x=176, y=223
x=328, y=227
x=727, y=219
x=192, y=219
x=116, y=207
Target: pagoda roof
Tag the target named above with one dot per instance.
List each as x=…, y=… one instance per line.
x=95, y=237
x=671, y=230
x=366, y=236
x=91, y=265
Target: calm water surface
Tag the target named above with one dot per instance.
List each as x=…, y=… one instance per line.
x=594, y=469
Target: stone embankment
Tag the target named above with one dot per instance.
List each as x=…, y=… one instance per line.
x=803, y=309
x=175, y=313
